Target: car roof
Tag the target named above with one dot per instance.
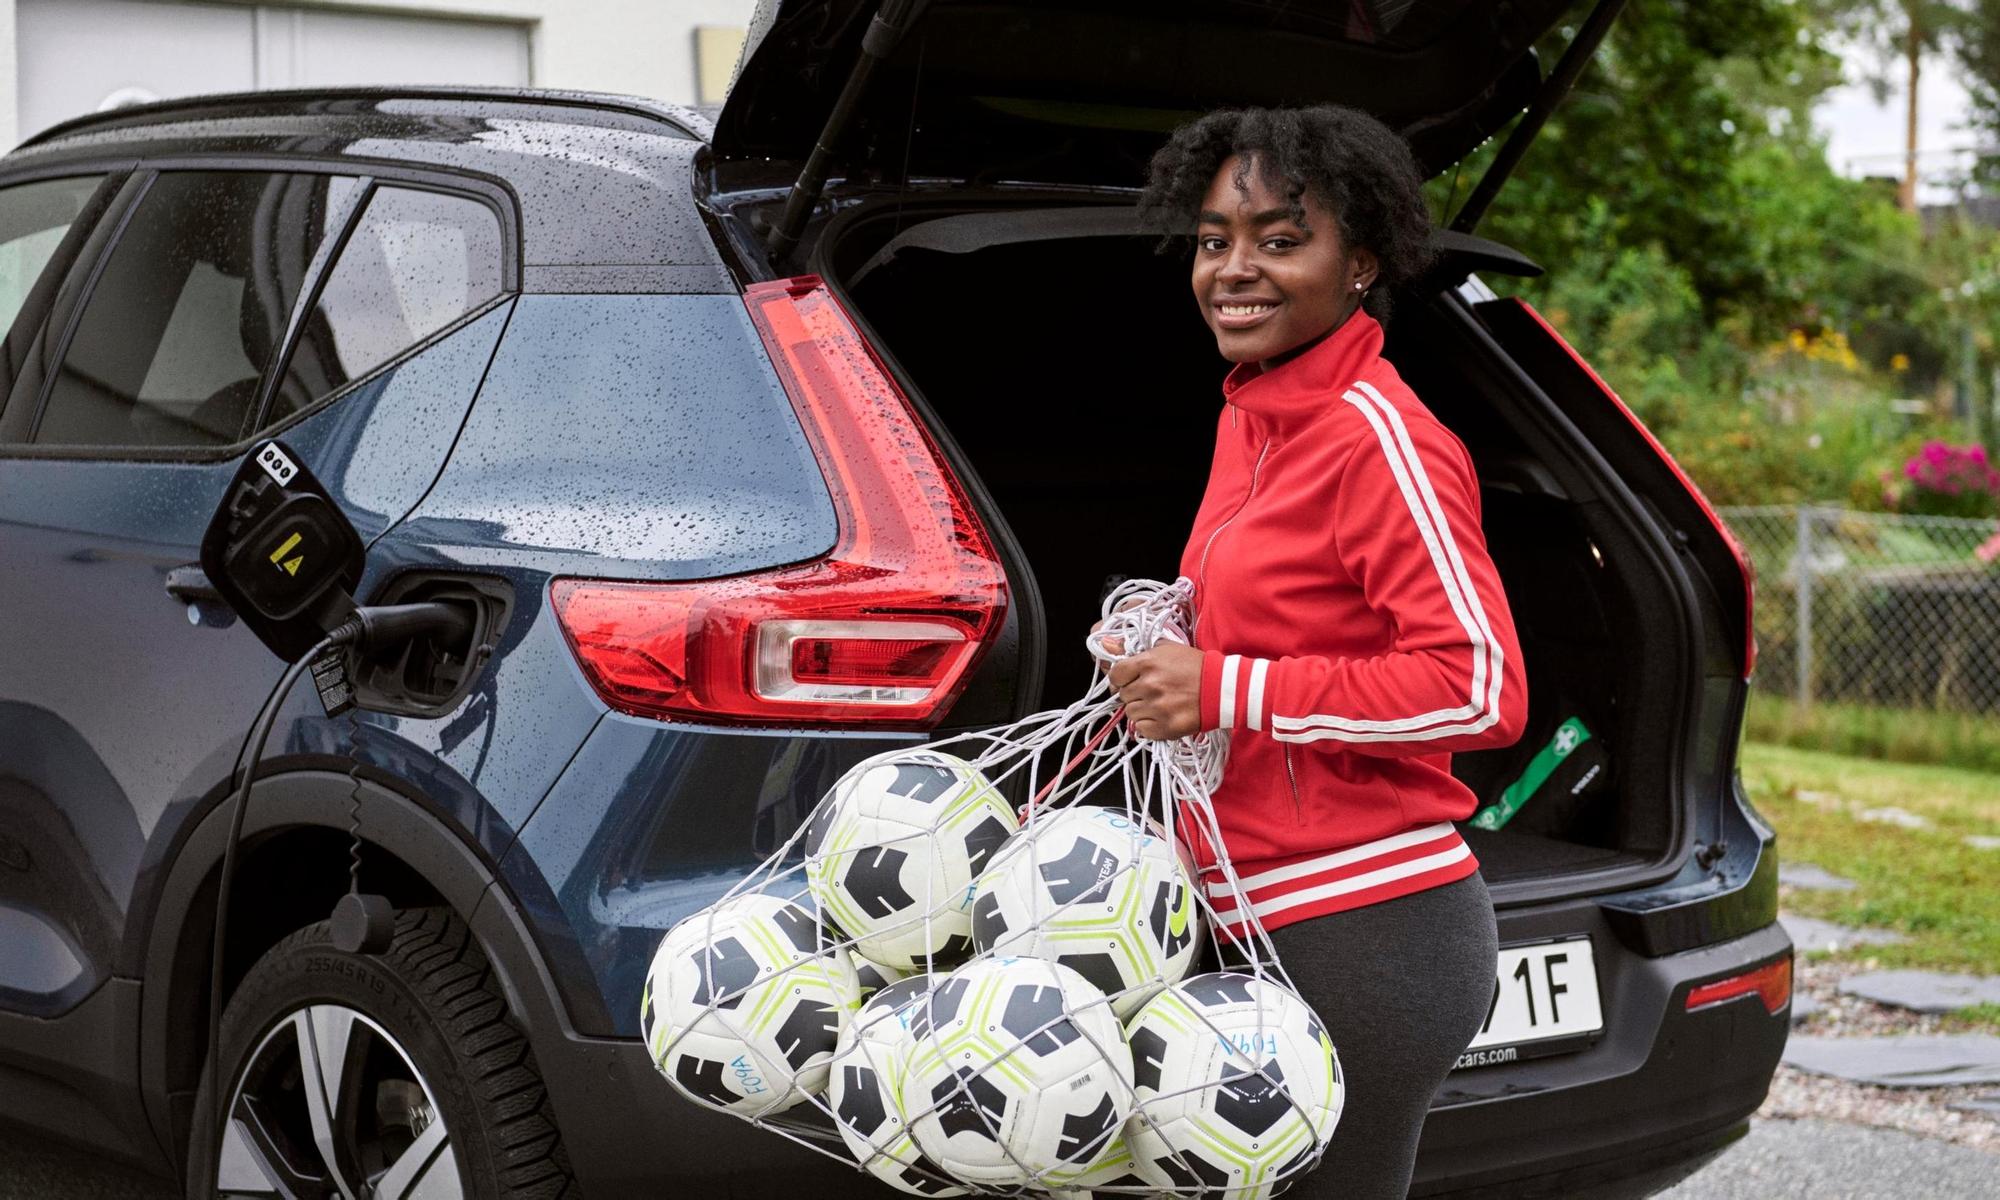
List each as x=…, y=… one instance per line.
x=603, y=181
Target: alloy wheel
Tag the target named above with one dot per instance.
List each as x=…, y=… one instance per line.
x=330, y=1105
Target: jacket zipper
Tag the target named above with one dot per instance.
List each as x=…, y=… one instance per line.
x=1298, y=813
x=1201, y=568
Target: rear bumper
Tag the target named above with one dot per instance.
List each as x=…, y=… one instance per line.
x=1663, y=1089
x=1663, y=1092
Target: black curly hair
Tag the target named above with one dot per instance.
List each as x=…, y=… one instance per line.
x=1352, y=163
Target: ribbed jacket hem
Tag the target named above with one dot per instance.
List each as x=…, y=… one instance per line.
x=1281, y=891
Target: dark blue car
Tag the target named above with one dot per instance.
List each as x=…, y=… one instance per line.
x=747, y=463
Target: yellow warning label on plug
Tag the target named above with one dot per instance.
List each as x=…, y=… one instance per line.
x=291, y=566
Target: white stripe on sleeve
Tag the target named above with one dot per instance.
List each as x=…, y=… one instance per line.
x=1258, y=668
x=1482, y=707
x=1226, y=717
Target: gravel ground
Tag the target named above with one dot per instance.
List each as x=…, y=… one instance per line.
x=1923, y=1111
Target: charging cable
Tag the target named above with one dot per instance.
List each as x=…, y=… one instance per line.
x=365, y=626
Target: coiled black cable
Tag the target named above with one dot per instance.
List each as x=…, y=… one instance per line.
x=384, y=622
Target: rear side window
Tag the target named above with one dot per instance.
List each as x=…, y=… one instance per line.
x=33, y=219
x=416, y=262
x=189, y=310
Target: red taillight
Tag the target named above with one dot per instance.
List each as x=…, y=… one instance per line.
x=1743, y=563
x=1771, y=983
x=884, y=630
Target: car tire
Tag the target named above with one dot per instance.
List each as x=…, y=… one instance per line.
x=433, y=1090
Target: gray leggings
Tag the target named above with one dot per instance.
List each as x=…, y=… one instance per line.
x=1402, y=987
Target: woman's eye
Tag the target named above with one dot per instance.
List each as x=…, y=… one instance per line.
x=1210, y=243
x=1279, y=243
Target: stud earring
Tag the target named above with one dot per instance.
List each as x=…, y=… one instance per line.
x=1358, y=285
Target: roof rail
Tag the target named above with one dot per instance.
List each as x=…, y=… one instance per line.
x=680, y=117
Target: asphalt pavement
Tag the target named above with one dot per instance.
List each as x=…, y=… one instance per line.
x=1779, y=1160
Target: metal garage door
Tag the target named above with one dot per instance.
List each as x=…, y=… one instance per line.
x=77, y=56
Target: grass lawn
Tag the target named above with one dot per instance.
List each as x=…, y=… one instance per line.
x=1926, y=883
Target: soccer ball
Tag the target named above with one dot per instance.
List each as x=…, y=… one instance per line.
x=1019, y=1070
x=1097, y=891
x=1238, y=1086
x=1112, y=1176
x=742, y=1005
x=873, y=975
x=863, y=1093
x=893, y=849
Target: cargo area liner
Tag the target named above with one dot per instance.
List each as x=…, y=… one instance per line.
x=1086, y=416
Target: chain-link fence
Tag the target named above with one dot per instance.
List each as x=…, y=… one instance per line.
x=1875, y=608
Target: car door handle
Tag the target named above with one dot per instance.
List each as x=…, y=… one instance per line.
x=189, y=584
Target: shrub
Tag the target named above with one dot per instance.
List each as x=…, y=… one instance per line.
x=1943, y=480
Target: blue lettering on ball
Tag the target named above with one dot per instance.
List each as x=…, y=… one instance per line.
x=746, y=1076
x=1260, y=1044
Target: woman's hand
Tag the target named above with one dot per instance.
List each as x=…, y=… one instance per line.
x=1161, y=691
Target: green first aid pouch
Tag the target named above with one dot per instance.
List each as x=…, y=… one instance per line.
x=1563, y=773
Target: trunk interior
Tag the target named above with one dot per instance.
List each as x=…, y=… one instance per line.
x=1078, y=379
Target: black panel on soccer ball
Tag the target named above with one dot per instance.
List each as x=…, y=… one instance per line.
x=703, y=1077
x=1250, y=1099
x=967, y=1103
x=809, y=1029
x=1080, y=876
x=1084, y=1134
x=723, y=969
x=861, y=1108
x=1034, y=1015
x=875, y=881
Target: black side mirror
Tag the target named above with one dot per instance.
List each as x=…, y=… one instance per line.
x=282, y=553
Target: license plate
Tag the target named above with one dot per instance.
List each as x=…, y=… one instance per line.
x=1544, y=1002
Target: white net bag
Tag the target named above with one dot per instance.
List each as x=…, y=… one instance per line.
x=960, y=997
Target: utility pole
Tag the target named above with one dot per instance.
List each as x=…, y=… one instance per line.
x=1913, y=50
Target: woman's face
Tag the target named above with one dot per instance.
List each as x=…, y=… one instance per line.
x=1269, y=285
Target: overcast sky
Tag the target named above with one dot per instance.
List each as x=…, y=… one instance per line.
x=1866, y=138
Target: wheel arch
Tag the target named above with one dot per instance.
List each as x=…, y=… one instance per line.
x=296, y=835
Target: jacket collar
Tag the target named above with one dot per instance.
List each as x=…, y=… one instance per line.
x=1301, y=389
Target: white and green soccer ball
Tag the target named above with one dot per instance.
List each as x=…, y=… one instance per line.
x=743, y=1004
x=1111, y=1177
x=892, y=851
x=1238, y=1087
x=873, y=975
x=864, y=1091
x=1100, y=892
x=1018, y=1071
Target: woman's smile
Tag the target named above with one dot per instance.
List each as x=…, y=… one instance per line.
x=1233, y=313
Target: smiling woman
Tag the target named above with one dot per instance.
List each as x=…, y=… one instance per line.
x=1351, y=632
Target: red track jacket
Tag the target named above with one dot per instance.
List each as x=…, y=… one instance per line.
x=1354, y=634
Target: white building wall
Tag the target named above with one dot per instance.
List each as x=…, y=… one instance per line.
x=59, y=58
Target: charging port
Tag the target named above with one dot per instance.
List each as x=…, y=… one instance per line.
x=429, y=674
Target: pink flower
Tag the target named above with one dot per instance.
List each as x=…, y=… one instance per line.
x=1936, y=452
x=1989, y=549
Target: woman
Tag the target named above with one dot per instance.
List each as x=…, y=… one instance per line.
x=1350, y=632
